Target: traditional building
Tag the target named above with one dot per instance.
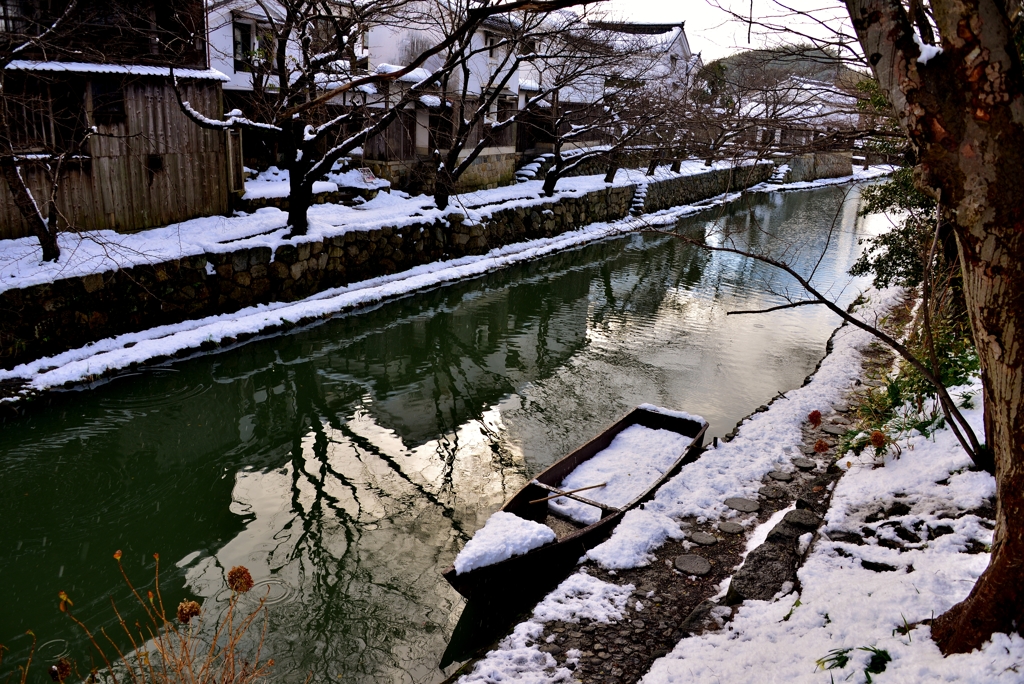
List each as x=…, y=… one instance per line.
x=93, y=124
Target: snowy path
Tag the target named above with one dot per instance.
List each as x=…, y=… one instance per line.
x=854, y=595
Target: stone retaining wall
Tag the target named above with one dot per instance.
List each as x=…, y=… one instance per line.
x=672, y=193
x=46, y=319
x=808, y=167
x=486, y=171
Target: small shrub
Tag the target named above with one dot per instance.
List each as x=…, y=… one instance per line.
x=838, y=658
x=163, y=652
x=880, y=658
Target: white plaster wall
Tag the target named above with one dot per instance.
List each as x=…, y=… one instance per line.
x=220, y=29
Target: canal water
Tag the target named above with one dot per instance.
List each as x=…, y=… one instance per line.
x=346, y=463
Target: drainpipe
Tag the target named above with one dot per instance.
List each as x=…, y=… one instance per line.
x=206, y=30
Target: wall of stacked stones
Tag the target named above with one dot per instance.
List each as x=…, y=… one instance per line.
x=690, y=189
x=816, y=165
x=486, y=171
x=46, y=319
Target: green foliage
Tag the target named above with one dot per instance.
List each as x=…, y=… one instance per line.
x=838, y=658
x=788, y=615
x=711, y=86
x=897, y=194
x=897, y=257
x=880, y=658
x=908, y=402
x=903, y=629
x=874, y=99
x=954, y=348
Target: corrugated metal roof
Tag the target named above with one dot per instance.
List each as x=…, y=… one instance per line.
x=126, y=69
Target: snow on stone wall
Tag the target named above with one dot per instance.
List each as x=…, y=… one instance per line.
x=72, y=312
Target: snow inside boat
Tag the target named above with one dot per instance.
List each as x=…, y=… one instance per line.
x=539, y=535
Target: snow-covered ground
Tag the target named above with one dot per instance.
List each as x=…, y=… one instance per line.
x=274, y=182
x=841, y=607
x=100, y=251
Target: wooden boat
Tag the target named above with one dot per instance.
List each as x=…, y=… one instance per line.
x=545, y=566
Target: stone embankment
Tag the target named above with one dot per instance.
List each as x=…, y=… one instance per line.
x=68, y=313
x=812, y=166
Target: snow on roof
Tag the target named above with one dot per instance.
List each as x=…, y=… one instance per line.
x=805, y=101
x=430, y=100
x=529, y=84
x=655, y=37
x=415, y=76
x=126, y=69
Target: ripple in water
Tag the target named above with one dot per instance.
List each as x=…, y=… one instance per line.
x=53, y=650
x=274, y=591
x=147, y=399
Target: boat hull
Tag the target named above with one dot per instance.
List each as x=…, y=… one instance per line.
x=543, y=568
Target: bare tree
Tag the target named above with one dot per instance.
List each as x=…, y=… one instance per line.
x=479, y=111
x=952, y=72
x=26, y=105
x=783, y=101
x=324, y=105
x=615, y=93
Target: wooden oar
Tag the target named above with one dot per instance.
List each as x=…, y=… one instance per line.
x=571, y=491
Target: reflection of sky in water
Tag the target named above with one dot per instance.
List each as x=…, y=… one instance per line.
x=347, y=463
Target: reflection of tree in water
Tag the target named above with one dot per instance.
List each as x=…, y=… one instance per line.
x=352, y=605
x=366, y=604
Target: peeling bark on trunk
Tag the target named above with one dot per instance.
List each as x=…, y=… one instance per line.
x=964, y=111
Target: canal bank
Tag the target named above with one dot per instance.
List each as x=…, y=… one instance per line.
x=132, y=288
x=779, y=554
x=318, y=456
x=78, y=302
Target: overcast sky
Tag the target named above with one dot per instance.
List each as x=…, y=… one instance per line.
x=710, y=30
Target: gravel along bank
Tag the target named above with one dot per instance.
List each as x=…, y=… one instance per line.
x=758, y=557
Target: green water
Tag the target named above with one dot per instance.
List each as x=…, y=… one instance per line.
x=346, y=463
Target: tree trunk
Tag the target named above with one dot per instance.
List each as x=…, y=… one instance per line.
x=30, y=211
x=444, y=185
x=550, y=179
x=612, y=168
x=964, y=112
x=299, y=199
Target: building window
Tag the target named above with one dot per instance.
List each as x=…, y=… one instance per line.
x=491, y=41
x=44, y=116
x=12, y=18
x=263, y=58
x=243, y=47
x=108, y=101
